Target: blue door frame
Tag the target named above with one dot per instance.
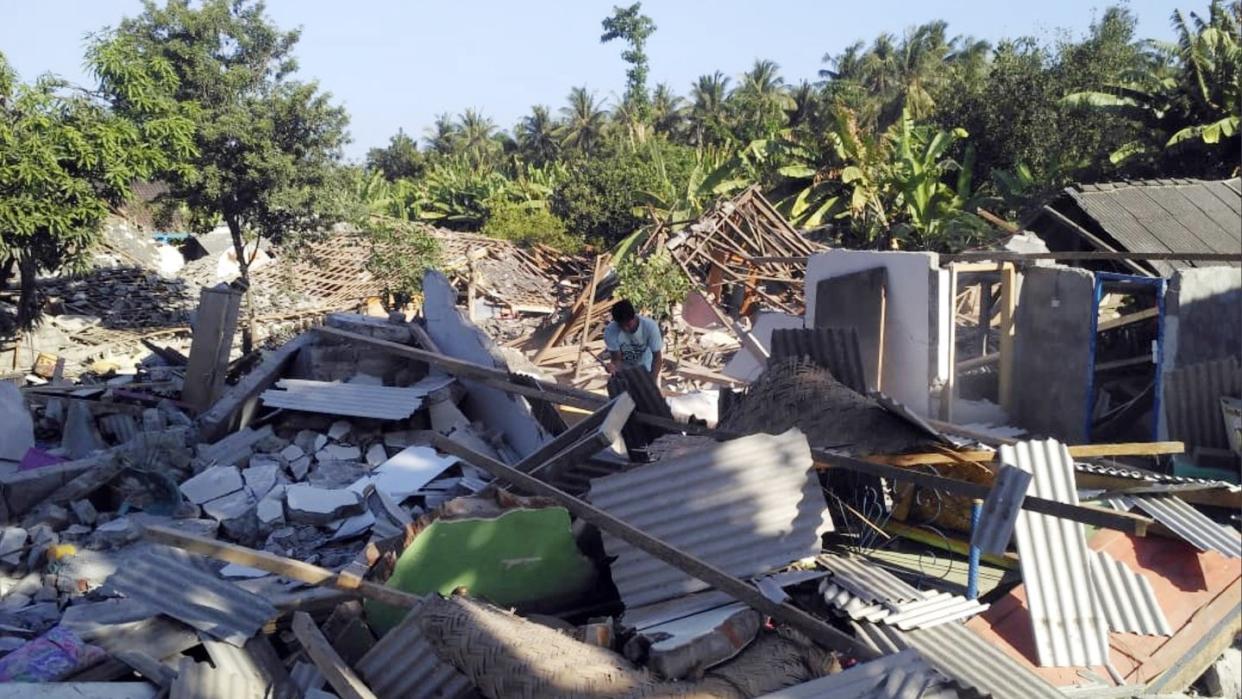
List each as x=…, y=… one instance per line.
x=1160, y=285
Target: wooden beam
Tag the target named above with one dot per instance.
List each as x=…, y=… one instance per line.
x=280, y=565
x=1098, y=517
x=1008, y=561
x=814, y=628
x=1144, y=314
x=1008, y=302
x=586, y=329
x=334, y=668
x=1081, y=451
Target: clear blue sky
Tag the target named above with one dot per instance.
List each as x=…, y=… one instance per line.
x=396, y=64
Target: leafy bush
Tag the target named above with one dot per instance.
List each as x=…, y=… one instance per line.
x=654, y=283
x=401, y=253
x=598, y=197
x=528, y=223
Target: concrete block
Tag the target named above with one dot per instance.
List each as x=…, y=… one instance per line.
x=299, y=467
x=231, y=507
x=293, y=451
x=16, y=423
x=376, y=454
x=1052, y=351
x=261, y=478
x=12, y=539
x=80, y=437
x=378, y=328
x=271, y=509
x=916, y=327
x=212, y=483
x=338, y=452
x=310, y=505
x=339, y=429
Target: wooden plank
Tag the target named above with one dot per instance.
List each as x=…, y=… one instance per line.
x=280, y=565
x=950, y=381
x=1212, y=629
x=1008, y=302
x=1081, y=451
x=1008, y=561
x=330, y=663
x=786, y=613
x=1123, y=321
x=214, y=324
x=586, y=329
x=1122, y=363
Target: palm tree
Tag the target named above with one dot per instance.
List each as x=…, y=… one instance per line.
x=666, y=110
x=536, y=136
x=584, y=123
x=803, y=104
x=761, y=100
x=476, y=136
x=442, y=136
x=708, y=113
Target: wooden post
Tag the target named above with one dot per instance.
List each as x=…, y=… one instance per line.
x=1009, y=283
x=215, y=321
x=590, y=309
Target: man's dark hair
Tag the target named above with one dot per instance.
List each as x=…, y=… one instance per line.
x=623, y=311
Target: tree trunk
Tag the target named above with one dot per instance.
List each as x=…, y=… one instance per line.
x=243, y=268
x=28, y=300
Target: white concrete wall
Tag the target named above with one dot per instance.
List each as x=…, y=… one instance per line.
x=916, y=330
x=743, y=365
x=459, y=338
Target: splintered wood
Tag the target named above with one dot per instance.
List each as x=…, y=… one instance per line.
x=719, y=249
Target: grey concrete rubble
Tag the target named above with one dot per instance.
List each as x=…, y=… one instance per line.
x=361, y=492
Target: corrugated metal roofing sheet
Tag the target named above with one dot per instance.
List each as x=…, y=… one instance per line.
x=1147, y=476
x=175, y=583
x=835, y=349
x=746, y=506
x=202, y=681
x=868, y=582
x=869, y=679
x=1069, y=628
x=1000, y=510
x=935, y=608
x=1191, y=524
x=347, y=399
x=403, y=665
x=962, y=656
x=1128, y=601
x=1165, y=216
x=1192, y=401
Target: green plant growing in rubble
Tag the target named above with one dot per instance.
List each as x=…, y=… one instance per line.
x=401, y=253
x=654, y=284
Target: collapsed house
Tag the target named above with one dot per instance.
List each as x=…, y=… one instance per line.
x=942, y=476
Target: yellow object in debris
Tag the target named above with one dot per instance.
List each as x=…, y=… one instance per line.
x=61, y=551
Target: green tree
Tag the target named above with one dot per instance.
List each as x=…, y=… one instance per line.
x=536, y=137
x=582, y=129
x=654, y=283
x=401, y=253
x=528, y=223
x=600, y=197
x=1188, y=112
x=633, y=27
x=442, y=136
x=399, y=159
x=666, y=111
x=709, y=111
x=760, y=102
x=65, y=160
x=267, y=147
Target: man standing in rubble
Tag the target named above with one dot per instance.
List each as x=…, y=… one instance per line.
x=633, y=340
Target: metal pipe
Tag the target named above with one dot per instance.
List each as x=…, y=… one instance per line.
x=972, y=573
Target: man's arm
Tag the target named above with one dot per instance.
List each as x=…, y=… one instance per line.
x=655, y=343
x=613, y=348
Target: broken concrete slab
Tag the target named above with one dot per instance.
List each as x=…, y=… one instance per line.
x=406, y=473
x=212, y=483
x=298, y=468
x=339, y=429
x=84, y=511
x=230, y=507
x=338, y=452
x=79, y=436
x=353, y=526
x=376, y=454
x=271, y=509
x=294, y=452
x=16, y=423
x=12, y=539
x=261, y=478
x=336, y=474
x=307, y=504
x=235, y=449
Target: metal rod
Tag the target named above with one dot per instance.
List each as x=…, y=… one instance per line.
x=972, y=573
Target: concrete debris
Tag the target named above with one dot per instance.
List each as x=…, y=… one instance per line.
x=351, y=481
x=16, y=423
x=310, y=505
